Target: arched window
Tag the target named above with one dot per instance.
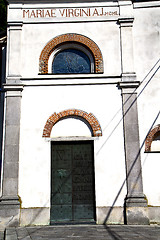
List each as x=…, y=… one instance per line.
x=84, y=54
x=155, y=145
x=152, y=143
x=89, y=119
x=71, y=61
x=71, y=58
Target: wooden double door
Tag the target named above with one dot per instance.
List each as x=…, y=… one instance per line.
x=72, y=182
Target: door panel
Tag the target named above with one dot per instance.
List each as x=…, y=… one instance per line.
x=61, y=213
x=72, y=180
x=82, y=212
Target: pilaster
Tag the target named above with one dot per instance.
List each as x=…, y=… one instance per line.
x=126, y=41
x=9, y=201
x=136, y=211
x=14, y=49
x=135, y=201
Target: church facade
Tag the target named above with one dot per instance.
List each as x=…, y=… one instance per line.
x=81, y=125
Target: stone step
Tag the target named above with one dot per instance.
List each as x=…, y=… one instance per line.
x=86, y=232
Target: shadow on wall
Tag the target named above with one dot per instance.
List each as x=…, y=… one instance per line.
x=34, y=216
x=40, y=211
x=145, y=81
x=3, y=39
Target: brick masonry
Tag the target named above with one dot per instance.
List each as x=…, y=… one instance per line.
x=89, y=118
x=66, y=38
x=150, y=137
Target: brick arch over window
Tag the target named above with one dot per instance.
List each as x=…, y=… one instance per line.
x=66, y=38
x=89, y=118
x=150, y=137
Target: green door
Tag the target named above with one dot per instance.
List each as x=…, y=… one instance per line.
x=72, y=186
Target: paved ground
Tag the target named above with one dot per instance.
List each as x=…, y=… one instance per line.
x=85, y=232
x=1, y=234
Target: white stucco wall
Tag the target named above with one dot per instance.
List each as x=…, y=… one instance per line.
x=147, y=62
x=36, y=36
x=34, y=179
x=37, y=32
x=44, y=95
x=39, y=102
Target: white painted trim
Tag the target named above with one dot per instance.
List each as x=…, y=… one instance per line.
x=54, y=80
x=149, y=4
x=35, y=5
x=70, y=139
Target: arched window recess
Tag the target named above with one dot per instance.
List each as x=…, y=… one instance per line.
x=88, y=118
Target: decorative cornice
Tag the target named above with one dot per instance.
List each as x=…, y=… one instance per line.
x=15, y=26
x=126, y=21
x=128, y=84
x=13, y=87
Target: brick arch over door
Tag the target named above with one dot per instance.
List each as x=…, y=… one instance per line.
x=89, y=118
x=150, y=137
x=66, y=38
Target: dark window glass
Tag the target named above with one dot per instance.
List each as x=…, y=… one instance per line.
x=71, y=61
